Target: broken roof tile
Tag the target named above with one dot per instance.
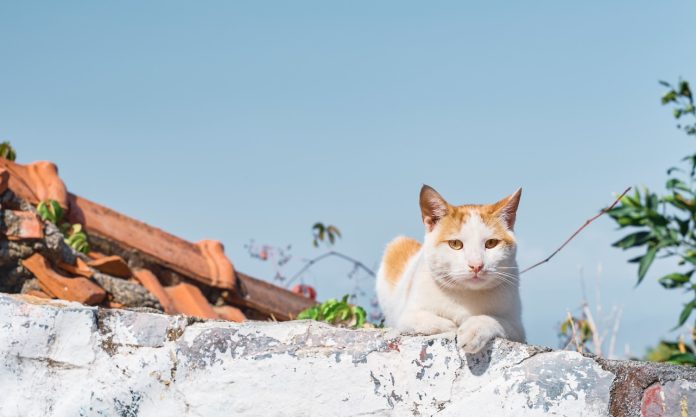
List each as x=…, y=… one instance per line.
x=95, y=255
x=189, y=300
x=230, y=313
x=23, y=225
x=80, y=268
x=38, y=294
x=36, y=182
x=72, y=289
x=152, y=284
x=112, y=265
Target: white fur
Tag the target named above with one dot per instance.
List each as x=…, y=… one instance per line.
x=437, y=294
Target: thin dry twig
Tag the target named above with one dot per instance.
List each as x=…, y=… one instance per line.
x=575, y=334
x=596, y=339
x=587, y=222
x=313, y=261
x=614, y=331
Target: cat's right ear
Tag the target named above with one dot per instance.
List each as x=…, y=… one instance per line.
x=433, y=207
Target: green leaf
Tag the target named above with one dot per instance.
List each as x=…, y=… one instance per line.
x=645, y=263
x=635, y=260
x=670, y=96
x=50, y=210
x=675, y=280
x=686, y=312
x=360, y=315
x=7, y=151
x=684, y=89
x=309, y=314
x=682, y=359
x=634, y=239
x=677, y=184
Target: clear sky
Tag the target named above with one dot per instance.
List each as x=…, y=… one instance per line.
x=241, y=120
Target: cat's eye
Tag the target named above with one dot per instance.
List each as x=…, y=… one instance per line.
x=491, y=243
x=455, y=244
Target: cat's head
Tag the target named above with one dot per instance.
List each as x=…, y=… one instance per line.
x=470, y=246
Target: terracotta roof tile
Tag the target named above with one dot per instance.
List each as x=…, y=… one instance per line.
x=27, y=226
x=4, y=180
x=189, y=300
x=175, y=253
x=173, y=259
x=36, y=182
x=72, y=289
x=152, y=284
x=112, y=265
x=37, y=293
x=80, y=268
x=230, y=313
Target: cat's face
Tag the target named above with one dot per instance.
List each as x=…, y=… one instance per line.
x=472, y=246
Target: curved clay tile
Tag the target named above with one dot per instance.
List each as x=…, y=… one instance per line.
x=221, y=269
x=36, y=181
x=205, y=263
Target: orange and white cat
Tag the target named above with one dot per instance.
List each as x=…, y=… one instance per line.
x=463, y=277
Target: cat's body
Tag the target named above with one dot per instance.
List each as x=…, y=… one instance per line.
x=463, y=277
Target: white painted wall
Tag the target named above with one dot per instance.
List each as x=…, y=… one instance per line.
x=66, y=359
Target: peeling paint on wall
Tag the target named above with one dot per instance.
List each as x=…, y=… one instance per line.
x=65, y=359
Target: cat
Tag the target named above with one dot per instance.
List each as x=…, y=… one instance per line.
x=463, y=278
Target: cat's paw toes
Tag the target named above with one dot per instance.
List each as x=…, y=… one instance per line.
x=476, y=332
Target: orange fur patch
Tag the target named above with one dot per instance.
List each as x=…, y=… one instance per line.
x=396, y=256
x=458, y=215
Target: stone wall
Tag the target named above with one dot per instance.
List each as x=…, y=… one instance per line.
x=66, y=359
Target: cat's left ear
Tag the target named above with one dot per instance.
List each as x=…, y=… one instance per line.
x=506, y=208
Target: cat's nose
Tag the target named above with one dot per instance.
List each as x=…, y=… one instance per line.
x=476, y=268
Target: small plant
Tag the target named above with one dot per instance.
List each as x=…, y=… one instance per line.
x=672, y=352
x=578, y=330
x=7, y=151
x=323, y=232
x=336, y=312
x=50, y=210
x=75, y=237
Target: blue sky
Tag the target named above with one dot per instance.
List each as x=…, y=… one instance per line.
x=241, y=120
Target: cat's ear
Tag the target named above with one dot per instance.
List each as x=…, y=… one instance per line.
x=433, y=206
x=506, y=208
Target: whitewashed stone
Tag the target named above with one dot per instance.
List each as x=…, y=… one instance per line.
x=65, y=359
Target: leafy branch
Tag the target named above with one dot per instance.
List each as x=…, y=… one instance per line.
x=665, y=225
x=323, y=232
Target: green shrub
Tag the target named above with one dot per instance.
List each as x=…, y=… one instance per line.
x=336, y=312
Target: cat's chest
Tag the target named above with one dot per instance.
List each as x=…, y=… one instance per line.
x=460, y=308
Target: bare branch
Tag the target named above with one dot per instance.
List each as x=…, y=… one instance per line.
x=596, y=339
x=587, y=222
x=313, y=261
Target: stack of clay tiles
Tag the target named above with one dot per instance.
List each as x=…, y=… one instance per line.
x=130, y=264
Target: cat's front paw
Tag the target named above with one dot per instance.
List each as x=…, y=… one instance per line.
x=477, y=331
x=425, y=323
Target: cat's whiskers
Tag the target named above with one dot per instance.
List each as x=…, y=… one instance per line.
x=506, y=278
